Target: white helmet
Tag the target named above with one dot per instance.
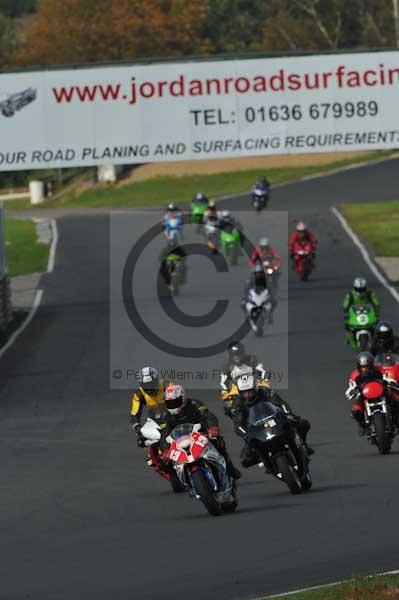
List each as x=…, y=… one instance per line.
x=226, y=214
x=264, y=242
x=360, y=284
x=149, y=380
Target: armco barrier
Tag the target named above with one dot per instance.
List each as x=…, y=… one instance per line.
x=5, y=304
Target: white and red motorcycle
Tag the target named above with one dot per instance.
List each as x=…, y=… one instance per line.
x=201, y=469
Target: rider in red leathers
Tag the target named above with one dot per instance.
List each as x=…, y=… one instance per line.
x=265, y=252
x=365, y=372
x=302, y=234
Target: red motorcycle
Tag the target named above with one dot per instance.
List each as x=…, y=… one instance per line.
x=303, y=259
x=377, y=415
x=388, y=364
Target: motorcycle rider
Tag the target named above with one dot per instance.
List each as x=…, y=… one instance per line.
x=199, y=198
x=263, y=185
x=237, y=360
x=173, y=249
x=258, y=282
x=301, y=235
x=384, y=339
x=172, y=212
x=180, y=409
x=211, y=214
x=249, y=391
x=150, y=393
x=228, y=222
x=265, y=252
x=359, y=294
x=366, y=371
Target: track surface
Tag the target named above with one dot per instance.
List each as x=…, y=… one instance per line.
x=81, y=516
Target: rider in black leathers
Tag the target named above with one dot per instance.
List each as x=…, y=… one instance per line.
x=240, y=411
x=384, y=339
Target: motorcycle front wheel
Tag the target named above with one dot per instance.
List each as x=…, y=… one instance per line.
x=381, y=434
x=290, y=476
x=204, y=490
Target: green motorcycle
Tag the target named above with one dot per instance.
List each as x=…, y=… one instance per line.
x=361, y=323
x=197, y=211
x=230, y=244
x=176, y=272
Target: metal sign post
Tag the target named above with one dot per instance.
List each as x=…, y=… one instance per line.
x=3, y=264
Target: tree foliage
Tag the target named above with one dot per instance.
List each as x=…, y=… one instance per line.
x=76, y=31
x=69, y=31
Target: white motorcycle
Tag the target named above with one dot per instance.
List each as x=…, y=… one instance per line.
x=258, y=309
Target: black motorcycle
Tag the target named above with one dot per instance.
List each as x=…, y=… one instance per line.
x=278, y=445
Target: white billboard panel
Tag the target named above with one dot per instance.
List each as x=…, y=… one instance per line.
x=196, y=110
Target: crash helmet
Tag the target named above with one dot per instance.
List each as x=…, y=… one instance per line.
x=365, y=362
x=171, y=207
x=226, y=215
x=264, y=243
x=211, y=204
x=200, y=197
x=384, y=331
x=246, y=385
x=236, y=351
x=301, y=227
x=175, y=398
x=149, y=380
x=360, y=285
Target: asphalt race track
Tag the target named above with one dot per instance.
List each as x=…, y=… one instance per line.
x=81, y=516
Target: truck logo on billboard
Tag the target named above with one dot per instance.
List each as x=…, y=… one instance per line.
x=17, y=101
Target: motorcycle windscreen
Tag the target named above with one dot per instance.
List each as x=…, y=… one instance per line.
x=182, y=431
x=265, y=418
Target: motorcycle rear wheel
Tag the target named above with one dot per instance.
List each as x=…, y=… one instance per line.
x=204, y=490
x=363, y=342
x=290, y=476
x=382, y=437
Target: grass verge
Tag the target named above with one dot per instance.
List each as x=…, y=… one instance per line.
x=380, y=587
x=24, y=254
x=376, y=223
x=161, y=190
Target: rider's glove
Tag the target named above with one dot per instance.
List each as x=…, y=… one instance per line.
x=213, y=433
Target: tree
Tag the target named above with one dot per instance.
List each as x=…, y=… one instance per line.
x=8, y=41
x=328, y=24
x=76, y=31
x=17, y=8
x=235, y=25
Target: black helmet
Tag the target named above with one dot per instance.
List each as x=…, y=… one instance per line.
x=384, y=331
x=365, y=361
x=236, y=351
x=149, y=380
